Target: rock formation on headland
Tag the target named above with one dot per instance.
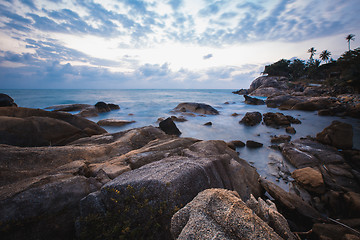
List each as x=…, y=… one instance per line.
x=286, y=95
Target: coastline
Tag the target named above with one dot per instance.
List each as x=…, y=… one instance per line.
x=127, y=160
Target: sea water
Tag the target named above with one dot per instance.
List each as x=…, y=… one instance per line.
x=146, y=106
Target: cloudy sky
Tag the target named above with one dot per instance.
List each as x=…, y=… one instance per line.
x=163, y=43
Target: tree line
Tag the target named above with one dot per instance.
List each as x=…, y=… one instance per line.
x=343, y=72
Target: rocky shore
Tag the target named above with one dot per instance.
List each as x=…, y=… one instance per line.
x=64, y=177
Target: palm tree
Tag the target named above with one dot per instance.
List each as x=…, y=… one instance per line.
x=312, y=51
x=325, y=56
x=349, y=38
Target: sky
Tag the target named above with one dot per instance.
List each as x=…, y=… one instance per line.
x=163, y=44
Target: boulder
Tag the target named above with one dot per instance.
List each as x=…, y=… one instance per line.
x=283, y=101
x=105, y=107
x=241, y=92
x=199, y=108
x=46, y=209
x=69, y=107
x=36, y=127
x=6, y=101
x=169, y=127
x=220, y=214
x=114, y=122
x=208, y=124
x=290, y=130
x=267, y=92
x=310, y=178
x=338, y=134
x=89, y=112
x=279, y=119
x=314, y=103
x=268, y=212
x=269, y=81
x=145, y=199
x=253, y=144
x=178, y=119
x=309, y=153
x=253, y=101
x=237, y=143
x=251, y=118
x=294, y=206
x=280, y=139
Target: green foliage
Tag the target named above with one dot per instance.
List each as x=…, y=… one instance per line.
x=297, y=69
x=280, y=68
x=133, y=216
x=349, y=66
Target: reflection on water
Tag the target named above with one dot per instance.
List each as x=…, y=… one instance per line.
x=146, y=106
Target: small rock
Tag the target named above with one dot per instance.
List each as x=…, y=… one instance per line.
x=208, y=124
x=102, y=107
x=253, y=144
x=178, y=119
x=169, y=127
x=290, y=130
x=238, y=143
x=280, y=139
x=235, y=114
x=199, y=108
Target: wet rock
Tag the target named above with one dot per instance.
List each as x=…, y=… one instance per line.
x=308, y=153
x=169, y=127
x=290, y=130
x=279, y=120
x=199, y=108
x=253, y=101
x=235, y=114
x=237, y=143
x=69, y=107
x=178, y=119
x=338, y=134
x=335, y=231
x=251, y=118
x=208, y=124
x=36, y=127
x=310, y=178
x=280, y=139
x=241, y=92
x=253, y=144
x=220, y=213
x=104, y=107
x=6, y=101
x=114, y=122
x=352, y=200
x=89, y=112
x=279, y=83
x=282, y=101
x=291, y=202
x=314, y=103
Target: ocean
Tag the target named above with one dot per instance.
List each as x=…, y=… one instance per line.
x=146, y=106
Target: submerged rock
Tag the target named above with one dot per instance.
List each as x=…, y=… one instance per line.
x=199, y=108
x=219, y=213
x=69, y=107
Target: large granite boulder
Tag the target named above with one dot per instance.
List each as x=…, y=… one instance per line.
x=148, y=196
x=199, y=108
x=267, y=92
x=251, y=118
x=219, y=214
x=338, y=134
x=6, y=101
x=268, y=81
x=36, y=127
